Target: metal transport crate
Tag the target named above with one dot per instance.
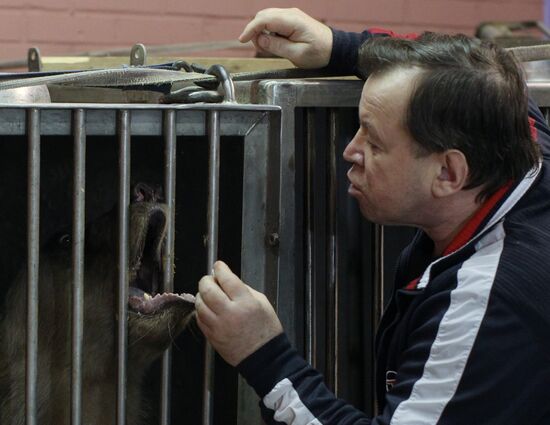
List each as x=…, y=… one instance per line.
x=219, y=165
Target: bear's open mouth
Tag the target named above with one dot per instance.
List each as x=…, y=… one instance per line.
x=143, y=303
x=148, y=225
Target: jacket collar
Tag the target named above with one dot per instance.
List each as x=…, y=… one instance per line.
x=472, y=232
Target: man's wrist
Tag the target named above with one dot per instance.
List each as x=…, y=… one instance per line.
x=270, y=364
x=345, y=47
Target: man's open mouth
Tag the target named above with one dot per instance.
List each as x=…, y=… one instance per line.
x=148, y=224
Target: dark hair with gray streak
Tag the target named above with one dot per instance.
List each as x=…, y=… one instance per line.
x=470, y=96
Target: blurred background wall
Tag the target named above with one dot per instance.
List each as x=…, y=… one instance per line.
x=62, y=27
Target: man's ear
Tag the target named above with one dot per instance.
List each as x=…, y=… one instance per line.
x=452, y=173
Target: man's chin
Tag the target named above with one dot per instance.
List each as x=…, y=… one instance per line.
x=369, y=215
x=366, y=208
x=378, y=217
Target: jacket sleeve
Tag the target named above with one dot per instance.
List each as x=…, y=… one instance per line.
x=291, y=391
x=345, y=47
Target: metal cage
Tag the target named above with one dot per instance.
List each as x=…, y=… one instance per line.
x=77, y=127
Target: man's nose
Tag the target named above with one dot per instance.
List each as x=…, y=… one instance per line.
x=352, y=153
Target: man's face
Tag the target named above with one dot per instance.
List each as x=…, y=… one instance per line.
x=391, y=182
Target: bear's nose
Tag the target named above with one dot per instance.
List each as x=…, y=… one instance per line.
x=144, y=192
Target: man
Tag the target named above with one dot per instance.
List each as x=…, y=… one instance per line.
x=444, y=144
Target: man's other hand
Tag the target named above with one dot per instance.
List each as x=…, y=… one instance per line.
x=291, y=34
x=236, y=319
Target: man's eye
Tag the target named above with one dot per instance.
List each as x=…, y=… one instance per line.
x=372, y=145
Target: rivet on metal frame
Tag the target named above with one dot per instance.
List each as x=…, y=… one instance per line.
x=273, y=239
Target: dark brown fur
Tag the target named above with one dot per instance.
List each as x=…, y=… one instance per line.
x=148, y=334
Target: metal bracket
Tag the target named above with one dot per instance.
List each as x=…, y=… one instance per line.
x=138, y=55
x=34, y=61
x=219, y=90
x=226, y=83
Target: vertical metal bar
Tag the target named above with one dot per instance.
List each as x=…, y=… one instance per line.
x=213, y=124
x=332, y=260
x=285, y=96
x=260, y=218
x=168, y=277
x=124, y=202
x=378, y=251
x=310, y=313
x=33, y=225
x=378, y=300
x=79, y=187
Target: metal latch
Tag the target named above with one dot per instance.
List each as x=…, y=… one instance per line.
x=223, y=90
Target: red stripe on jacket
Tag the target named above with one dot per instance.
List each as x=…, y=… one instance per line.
x=469, y=229
x=534, y=134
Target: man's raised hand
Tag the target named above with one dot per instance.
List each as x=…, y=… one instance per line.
x=291, y=34
x=236, y=319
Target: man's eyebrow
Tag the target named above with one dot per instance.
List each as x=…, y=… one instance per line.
x=370, y=128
